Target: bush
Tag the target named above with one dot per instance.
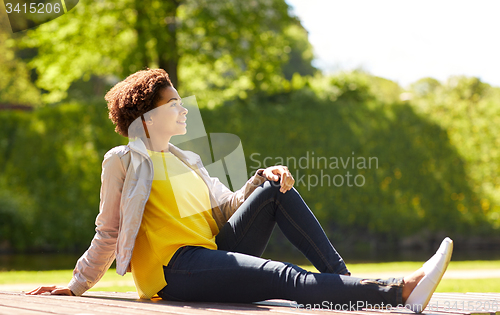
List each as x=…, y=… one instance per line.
x=434, y=159
x=54, y=154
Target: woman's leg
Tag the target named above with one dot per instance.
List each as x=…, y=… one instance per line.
x=250, y=227
x=200, y=274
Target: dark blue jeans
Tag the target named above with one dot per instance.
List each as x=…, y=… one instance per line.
x=236, y=273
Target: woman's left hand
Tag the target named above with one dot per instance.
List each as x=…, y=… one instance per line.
x=276, y=172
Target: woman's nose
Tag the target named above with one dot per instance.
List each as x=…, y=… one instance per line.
x=184, y=110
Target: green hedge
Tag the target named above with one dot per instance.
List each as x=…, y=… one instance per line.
x=51, y=157
x=423, y=185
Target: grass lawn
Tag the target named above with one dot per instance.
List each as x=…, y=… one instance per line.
x=446, y=285
x=114, y=282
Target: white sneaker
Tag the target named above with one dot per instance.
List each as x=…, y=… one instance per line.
x=434, y=270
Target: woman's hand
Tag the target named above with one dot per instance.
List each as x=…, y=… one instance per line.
x=54, y=290
x=274, y=173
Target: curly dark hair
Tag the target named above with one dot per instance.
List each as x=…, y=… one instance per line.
x=134, y=96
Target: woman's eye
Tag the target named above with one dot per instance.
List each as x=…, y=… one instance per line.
x=173, y=104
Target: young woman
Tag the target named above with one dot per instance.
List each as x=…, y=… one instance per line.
x=186, y=237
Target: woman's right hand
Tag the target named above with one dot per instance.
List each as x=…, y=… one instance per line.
x=53, y=290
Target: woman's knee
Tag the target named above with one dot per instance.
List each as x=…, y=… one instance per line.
x=271, y=186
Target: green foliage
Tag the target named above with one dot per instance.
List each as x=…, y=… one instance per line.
x=50, y=166
x=225, y=56
x=419, y=174
x=425, y=87
x=15, y=83
x=434, y=160
x=469, y=111
x=218, y=53
x=15, y=211
x=72, y=47
x=436, y=146
x=300, y=52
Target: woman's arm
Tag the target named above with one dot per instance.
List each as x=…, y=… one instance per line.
x=54, y=290
x=230, y=201
x=96, y=260
x=280, y=172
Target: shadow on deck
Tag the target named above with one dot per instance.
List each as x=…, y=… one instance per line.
x=18, y=303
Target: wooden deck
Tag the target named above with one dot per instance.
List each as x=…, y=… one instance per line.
x=17, y=303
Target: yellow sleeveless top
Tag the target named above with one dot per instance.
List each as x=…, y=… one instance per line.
x=177, y=213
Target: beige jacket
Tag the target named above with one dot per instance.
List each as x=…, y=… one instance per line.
x=127, y=176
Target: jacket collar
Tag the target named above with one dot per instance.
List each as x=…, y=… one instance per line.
x=137, y=145
x=186, y=156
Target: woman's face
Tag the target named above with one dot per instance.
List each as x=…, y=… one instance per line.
x=169, y=117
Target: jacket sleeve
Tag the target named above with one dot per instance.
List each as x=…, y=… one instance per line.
x=229, y=201
x=98, y=258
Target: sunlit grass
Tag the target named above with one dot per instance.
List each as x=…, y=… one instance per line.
x=52, y=276
x=446, y=285
x=62, y=277
x=469, y=285
x=114, y=282
x=412, y=266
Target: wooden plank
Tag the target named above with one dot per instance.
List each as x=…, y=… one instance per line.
x=74, y=305
x=6, y=310
x=117, y=305
x=492, y=295
x=93, y=302
x=467, y=303
x=46, y=305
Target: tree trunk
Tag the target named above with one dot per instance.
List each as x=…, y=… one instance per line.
x=142, y=33
x=168, y=54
